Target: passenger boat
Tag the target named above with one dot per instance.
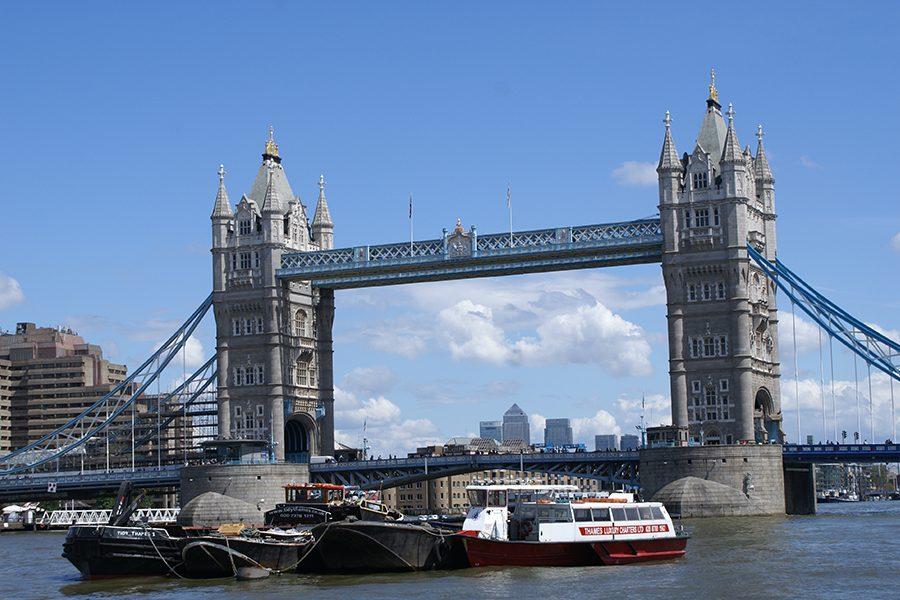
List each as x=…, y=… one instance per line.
x=308, y=504
x=550, y=525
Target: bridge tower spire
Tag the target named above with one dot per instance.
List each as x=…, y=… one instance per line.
x=723, y=357
x=323, y=226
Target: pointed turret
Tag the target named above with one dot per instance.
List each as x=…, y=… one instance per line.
x=272, y=202
x=322, y=225
x=222, y=207
x=731, y=153
x=668, y=157
x=712, y=131
x=271, y=151
x=762, y=171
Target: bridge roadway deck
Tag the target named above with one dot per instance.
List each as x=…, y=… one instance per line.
x=617, y=467
x=467, y=255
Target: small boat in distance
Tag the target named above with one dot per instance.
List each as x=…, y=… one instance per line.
x=546, y=525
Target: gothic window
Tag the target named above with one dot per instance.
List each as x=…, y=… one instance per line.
x=250, y=378
x=238, y=417
x=259, y=325
x=692, y=292
x=701, y=217
x=687, y=218
x=709, y=346
x=715, y=217
x=260, y=374
x=312, y=374
x=301, y=373
x=720, y=290
x=707, y=292
x=723, y=385
x=244, y=227
x=300, y=322
x=710, y=396
x=260, y=416
x=695, y=386
x=233, y=261
x=238, y=376
x=245, y=260
x=700, y=181
x=256, y=259
x=237, y=327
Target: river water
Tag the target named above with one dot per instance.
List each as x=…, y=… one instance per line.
x=846, y=551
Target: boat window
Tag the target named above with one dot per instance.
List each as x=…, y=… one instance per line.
x=477, y=497
x=496, y=498
x=554, y=514
x=583, y=514
x=601, y=514
x=657, y=512
x=618, y=514
x=314, y=495
x=645, y=512
x=632, y=514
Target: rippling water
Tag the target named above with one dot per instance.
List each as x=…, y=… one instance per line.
x=846, y=551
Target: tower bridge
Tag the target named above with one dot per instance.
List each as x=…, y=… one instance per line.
x=276, y=270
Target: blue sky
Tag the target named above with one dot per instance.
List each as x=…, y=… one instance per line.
x=114, y=118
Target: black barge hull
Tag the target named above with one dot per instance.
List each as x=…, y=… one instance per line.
x=368, y=547
x=107, y=551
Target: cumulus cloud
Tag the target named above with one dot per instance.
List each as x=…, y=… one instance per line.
x=636, y=173
x=587, y=335
x=895, y=242
x=810, y=163
x=380, y=421
x=841, y=411
x=10, y=291
x=193, y=353
x=807, y=335
x=398, y=336
x=657, y=409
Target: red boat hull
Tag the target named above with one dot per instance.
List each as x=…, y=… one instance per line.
x=483, y=552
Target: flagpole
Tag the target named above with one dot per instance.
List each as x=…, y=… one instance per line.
x=509, y=207
x=410, y=226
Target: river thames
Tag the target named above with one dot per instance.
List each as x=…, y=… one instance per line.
x=846, y=551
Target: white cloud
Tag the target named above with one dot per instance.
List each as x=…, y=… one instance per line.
x=657, y=409
x=385, y=430
x=398, y=336
x=587, y=335
x=193, y=353
x=633, y=172
x=895, y=242
x=843, y=409
x=10, y=291
x=807, y=335
x=810, y=163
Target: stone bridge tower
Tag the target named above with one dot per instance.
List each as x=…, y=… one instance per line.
x=273, y=339
x=722, y=318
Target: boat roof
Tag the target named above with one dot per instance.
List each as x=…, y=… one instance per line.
x=523, y=486
x=307, y=486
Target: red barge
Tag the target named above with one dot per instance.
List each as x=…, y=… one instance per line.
x=554, y=525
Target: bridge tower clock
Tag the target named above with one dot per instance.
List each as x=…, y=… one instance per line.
x=722, y=319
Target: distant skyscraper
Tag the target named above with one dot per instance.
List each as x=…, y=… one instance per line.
x=515, y=425
x=606, y=442
x=630, y=442
x=491, y=430
x=557, y=432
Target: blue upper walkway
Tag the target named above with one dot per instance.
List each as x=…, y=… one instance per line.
x=466, y=254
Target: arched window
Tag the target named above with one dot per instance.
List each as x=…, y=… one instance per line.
x=301, y=373
x=300, y=322
x=312, y=374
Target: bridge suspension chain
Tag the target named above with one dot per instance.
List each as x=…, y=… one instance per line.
x=875, y=348
x=81, y=437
